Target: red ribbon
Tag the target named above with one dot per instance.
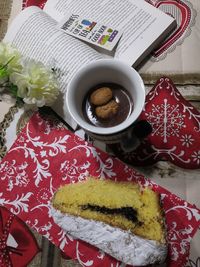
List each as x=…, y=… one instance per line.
x=5, y=259
x=27, y=246
x=5, y=250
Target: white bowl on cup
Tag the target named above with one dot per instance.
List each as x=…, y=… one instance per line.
x=105, y=71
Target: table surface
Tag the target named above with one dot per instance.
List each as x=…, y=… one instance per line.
x=184, y=183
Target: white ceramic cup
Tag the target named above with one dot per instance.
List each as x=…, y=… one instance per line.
x=105, y=71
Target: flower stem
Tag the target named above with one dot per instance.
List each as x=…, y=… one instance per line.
x=4, y=66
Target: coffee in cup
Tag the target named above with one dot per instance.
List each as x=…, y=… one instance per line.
x=120, y=78
x=107, y=105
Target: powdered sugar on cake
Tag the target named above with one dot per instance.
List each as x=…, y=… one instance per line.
x=120, y=244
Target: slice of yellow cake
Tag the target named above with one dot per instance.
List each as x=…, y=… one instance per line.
x=121, y=218
x=120, y=204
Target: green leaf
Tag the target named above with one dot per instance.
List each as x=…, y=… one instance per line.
x=13, y=89
x=20, y=101
x=3, y=72
x=5, y=66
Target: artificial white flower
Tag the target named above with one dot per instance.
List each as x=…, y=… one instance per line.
x=36, y=84
x=29, y=80
x=10, y=58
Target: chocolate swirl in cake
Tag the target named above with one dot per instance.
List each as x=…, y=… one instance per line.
x=128, y=212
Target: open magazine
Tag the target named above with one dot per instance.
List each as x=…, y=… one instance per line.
x=36, y=34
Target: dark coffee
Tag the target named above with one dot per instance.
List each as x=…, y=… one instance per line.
x=119, y=95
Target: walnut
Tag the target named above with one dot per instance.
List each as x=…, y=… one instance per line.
x=101, y=96
x=108, y=110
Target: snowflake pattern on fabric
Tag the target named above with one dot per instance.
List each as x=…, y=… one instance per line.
x=176, y=130
x=187, y=140
x=166, y=120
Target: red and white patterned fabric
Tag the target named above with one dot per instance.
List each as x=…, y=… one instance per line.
x=176, y=129
x=185, y=15
x=39, y=3
x=46, y=156
x=17, y=244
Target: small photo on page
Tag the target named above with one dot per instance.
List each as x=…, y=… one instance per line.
x=91, y=31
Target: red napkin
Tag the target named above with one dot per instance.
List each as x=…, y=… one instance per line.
x=22, y=247
x=45, y=156
x=176, y=130
x=39, y=3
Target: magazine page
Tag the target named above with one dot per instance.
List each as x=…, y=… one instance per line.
x=34, y=33
x=143, y=25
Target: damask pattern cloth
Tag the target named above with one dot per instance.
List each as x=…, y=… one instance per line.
x=46, y=156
